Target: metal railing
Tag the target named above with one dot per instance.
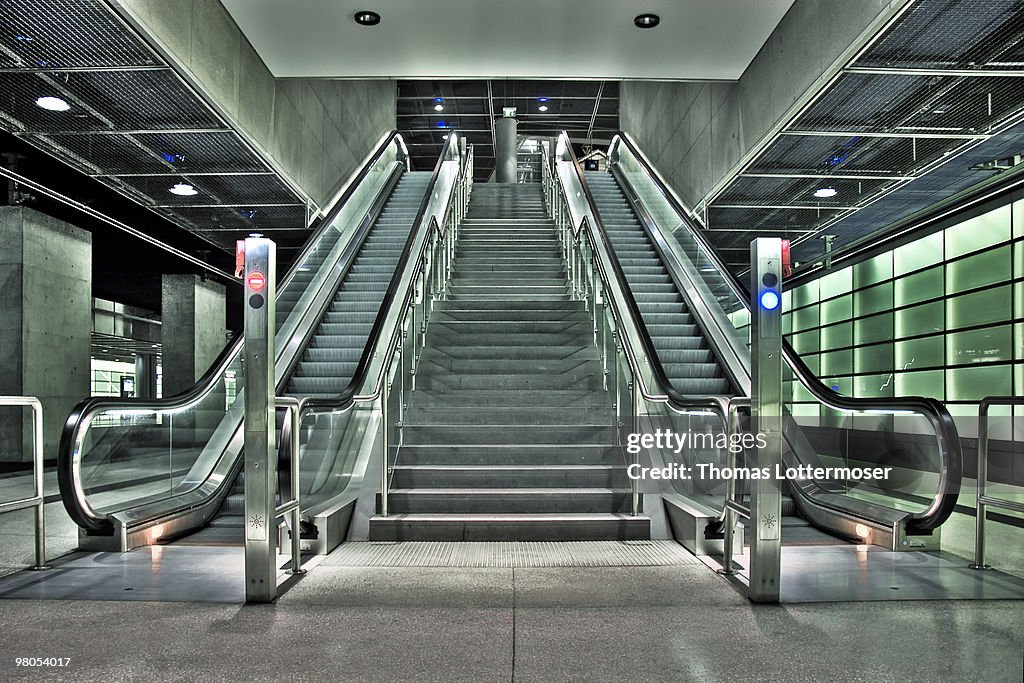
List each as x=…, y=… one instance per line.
x=983, y=500
x=293, y=506
x=37, y=500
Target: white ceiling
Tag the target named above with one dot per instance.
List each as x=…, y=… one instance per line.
x=565, y=39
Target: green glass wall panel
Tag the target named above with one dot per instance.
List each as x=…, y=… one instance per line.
x=980, y=308
x=873, y=270
x=978, y=270
x=874, y=386
x=920, y=319
x=806, y=342
x=837, y=363
x=987, y=345
x=873, y=329
x=918, y=254
x=974, y=384
x=874, y=358
x=925, y=352
x=834, y=284
x=911, y=289
x=836, y=336
x=978, y=233
x=805, y=318
x=930, y=383
x=805, y=294
x=873, y=299
x=838, y=309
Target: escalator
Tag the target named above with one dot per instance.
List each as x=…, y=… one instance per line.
x=691, y=319
x=134, y=472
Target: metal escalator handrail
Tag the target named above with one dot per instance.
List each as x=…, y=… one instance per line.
x=676, y=400
x=71, y=493
x=350, y=394
x=951, y=455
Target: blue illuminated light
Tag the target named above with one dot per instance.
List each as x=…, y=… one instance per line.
x=442, y=124
x=439, y=100
x=769, y=300
x=542, y=99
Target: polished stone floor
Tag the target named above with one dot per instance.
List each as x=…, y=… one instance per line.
x=667, y=623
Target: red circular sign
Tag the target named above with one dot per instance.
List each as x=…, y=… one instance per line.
x=256, y=281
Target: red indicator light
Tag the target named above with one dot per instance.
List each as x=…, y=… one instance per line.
x=256, y=281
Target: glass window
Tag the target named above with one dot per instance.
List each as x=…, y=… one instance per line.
x=873, y=299
x=918, y=254
x=974, y=384
x=927, y=383
x=1018, y=259
x=787, y=300
x=835, y=310
x=805, y=294
x=978, y=270
x=806, y=342
x=875, y=328
x=813, y=361
x=980, y=308
x=805, y=318
x=834, y=284
x=978, y=232
x=837, y=336
x=979, y=346
x=920, y=319
x=874, y=358
x=920, y=353
x=927, y=284
x=873, y=270
x=837, y=363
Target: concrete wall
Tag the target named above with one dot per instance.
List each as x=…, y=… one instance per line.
x=696, y=134
x=45, y=324
x=314, y=130
x=193, y=330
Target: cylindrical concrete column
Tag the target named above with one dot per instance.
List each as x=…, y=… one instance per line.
x=505, y=130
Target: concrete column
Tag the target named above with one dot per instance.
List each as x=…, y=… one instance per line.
x=145, y=376
x=193, y=329
x=46, y=314
x=505, y=130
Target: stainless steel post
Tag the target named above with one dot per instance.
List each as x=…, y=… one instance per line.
x=37, y=483
x=766, y=414
x=979, y=511
x=384, y=445
x=260, y=457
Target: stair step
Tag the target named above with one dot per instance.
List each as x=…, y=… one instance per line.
x=510, y=527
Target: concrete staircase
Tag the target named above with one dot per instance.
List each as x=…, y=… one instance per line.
x=509, y=432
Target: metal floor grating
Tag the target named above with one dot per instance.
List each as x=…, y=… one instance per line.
x=512, y=554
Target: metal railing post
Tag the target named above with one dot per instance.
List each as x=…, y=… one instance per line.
x=37, y=500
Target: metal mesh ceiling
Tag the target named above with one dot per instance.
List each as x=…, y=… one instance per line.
x=587, y=109
x=133, y=123
x=943, y=79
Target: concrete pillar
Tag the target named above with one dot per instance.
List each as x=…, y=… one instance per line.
x=505, y=130
x=193, y=329
x=145, y=375
x=45, y=324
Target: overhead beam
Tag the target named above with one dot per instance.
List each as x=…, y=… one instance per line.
x=957, y=73
x=876, y=134
x=800, y=207
x=823, y=176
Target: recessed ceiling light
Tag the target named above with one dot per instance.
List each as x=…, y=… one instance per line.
x=542, y=107
x=365, y=17
x=52, y=103
x=825, y=192
x=445, y=136
x=542, y=99
x=438, y=107
x=184, y=190
x=646, y=20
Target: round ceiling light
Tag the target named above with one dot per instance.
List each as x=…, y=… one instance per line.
x=51, y=103
x=646, y=20
x=542, y=107
x=365, y=17
x=825, y=192
x=438, y=107
x=183, y=190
